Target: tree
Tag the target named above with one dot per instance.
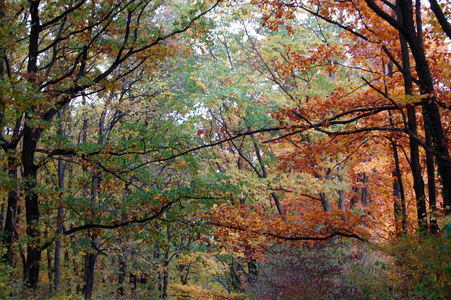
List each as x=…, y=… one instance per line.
x=73, y=49
x=364, y=32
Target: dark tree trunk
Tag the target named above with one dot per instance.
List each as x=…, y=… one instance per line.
x=235, y=278
x=433, y=226
x=121, y=275
x=431, y=113
x=415, y=165
x=324, y=202
x=92, y=257
x=133, y=281
x=252, y=270
x=60, y=216
x=418, y=183
x=397, y=206
x=165, y=283
x=89, y=272
x=341, y=197
x=364, y=195
x=31, y=269
x=441, y=18
x=49, y=262
x=2, y=213
x=11, y=211
x=400, y=199
x=30, y=138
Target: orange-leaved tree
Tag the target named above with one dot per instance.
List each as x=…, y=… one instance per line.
x=402, y=67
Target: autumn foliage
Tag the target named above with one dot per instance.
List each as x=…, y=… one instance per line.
x=225, y=149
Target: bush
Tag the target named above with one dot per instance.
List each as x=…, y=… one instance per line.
x=310, y=272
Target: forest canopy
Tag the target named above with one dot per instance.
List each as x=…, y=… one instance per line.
x=224, y=149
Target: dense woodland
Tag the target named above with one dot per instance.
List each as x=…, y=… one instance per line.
x=225, y=149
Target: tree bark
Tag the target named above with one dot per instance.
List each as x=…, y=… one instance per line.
x=165, y=281
x=398, y=191
x=90, y=271
x=431, y=114
x=11, y=211
x=324, y=202
x=121, y=275
x=30, y=138
x=92, y=256
x=364, y=195
x=341, y=197
x=49, y=263
x=415, y=165
x=59, y=226
x=32, y=208
x=61, y=209
x=433, y=226
x=441, y=17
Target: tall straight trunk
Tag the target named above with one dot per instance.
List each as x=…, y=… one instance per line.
x=398, y=191
x=121, y=275
x=433, y=226
x=32, y=214
x=2, y=213
x=59, y=226
x=341, y=197
x=431, y=113
x=11, y=211
x=397, y=205
x=49, y=262
x=165, y=282
x=418, y=183
x=30, y=138
x=364, y=194
x=92, y=193
x=60, y=215
x=90, y=271
x=92, y=256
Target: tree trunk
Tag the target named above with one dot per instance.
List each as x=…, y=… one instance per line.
x=341, y=197
x=11, y=211
x=324, y=202
x=121, y=275
x=364, y=195
x=252, y=270
x=433, y=226
x=59, y=228
x=90, y=271
x=60, y=216
x=92, y=257
x=418, y=183
x=431, y=114
x=164, y=287
x=30, y=137
x=400, y=199
x=165, y=283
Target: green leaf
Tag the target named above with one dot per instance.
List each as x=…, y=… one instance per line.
x=436, y=293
